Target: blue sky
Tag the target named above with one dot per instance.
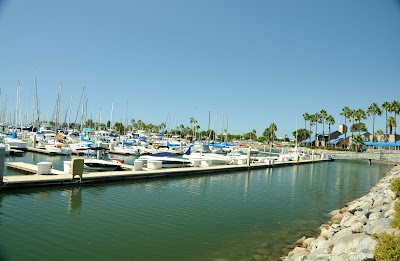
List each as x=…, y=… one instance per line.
x=251, y=62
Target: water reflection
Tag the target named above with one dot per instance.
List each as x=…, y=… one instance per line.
x=43, y=195
x=246, y=184
x=75, y=199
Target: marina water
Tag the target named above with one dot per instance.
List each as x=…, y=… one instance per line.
x=231, y=216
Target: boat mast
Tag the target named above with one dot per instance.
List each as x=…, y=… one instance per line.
x=35, y=112
x=17, y=120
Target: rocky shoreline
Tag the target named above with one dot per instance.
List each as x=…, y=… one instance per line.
x=349, y=236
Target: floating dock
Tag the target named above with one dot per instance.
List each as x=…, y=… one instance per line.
x=60, y=178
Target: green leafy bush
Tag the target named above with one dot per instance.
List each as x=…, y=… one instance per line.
x=388, y=247
x=395, y=186
x=396, y=218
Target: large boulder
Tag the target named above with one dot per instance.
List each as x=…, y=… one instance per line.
x=348, y=244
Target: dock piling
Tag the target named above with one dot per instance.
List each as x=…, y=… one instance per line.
x=248, y=157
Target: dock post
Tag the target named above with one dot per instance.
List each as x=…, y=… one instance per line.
x=2, y=155
x=312, y=156
x=248, y=158
x=34, y=141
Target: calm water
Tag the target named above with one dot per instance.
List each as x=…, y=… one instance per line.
x=224, y=216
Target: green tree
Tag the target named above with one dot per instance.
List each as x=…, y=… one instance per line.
x=373, y=110
x=346, y=112
x=323, y=115
x=358, y=141
x=269, y=133
x=330, y=121
x=387, y=106
x=396, y=110
x=306, y=117
x=302, y=134
x=359, y=127
x=352, y=116
x=360, y=114
x=380, y=134
x=391, y=122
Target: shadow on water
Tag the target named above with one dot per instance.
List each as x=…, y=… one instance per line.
x=2, y=251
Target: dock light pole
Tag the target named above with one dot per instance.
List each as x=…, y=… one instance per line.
x=2, y=155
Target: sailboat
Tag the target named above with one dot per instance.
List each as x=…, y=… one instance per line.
x=292, y=154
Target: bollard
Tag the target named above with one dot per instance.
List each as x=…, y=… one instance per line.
x=2, y=155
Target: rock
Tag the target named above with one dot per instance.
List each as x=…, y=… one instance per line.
x=348, y=244
x=346, y=218
x=357, y=227
x=300, y=258
x=319, y=257
x=334, y=212
x=298, y=252
x=337, y=218
x=375, y=216
x=320, y=246
x=373, y=224
x=308, y=242
x=353, y=207
x=349, y=237
x=300, y=241
x=262, y=251
x=365, y=206
x=338, y=237
x=327, y=234
x=354, y=219
x=389, y=213
x=365, y=249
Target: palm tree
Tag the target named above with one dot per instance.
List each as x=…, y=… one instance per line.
x=346, y=113
x=323, y=115
x=358, y=141
x=330, y=121
x=306, y=117
x=313, y=121
x=381, y=134
x=391, y=122
x=272, y=128
x=352, y=115
x=317, y=119
x=253, y=132
x=360, y=115
x=396, y=110
x=373, y=110
x=387, y=106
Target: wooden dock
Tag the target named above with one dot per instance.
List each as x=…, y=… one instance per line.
x=16, y=152
x=59, y=178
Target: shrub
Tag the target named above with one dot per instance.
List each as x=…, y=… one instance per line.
x=395, y=186
x=396, y=218
x=388, y=247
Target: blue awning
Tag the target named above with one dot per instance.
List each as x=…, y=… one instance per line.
x=382, y=143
